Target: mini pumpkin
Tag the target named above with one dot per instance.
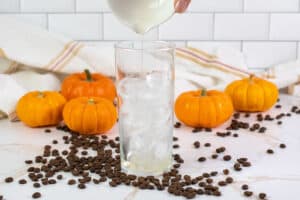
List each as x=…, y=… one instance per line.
x=90, y=115
x=37, y=109
x=207, y=109
x=252, y=94
x=88, y=85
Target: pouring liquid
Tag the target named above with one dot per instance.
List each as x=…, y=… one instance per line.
x=142, y=15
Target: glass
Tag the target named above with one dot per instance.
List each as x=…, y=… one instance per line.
x=145, y=85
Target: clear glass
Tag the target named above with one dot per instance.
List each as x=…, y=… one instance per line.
x=145, y=85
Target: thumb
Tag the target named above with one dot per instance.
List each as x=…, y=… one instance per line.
x=181, y=5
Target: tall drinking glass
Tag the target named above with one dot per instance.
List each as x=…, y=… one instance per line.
x=145, y=85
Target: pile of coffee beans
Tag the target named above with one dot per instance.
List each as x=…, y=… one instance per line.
x=103, y=165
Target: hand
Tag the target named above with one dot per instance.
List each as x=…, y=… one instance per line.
x=181, y=5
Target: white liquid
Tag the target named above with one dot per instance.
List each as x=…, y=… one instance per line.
x=142, y=15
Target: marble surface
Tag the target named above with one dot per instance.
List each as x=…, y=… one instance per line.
x=277, y=175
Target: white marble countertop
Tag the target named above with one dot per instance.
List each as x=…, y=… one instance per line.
x=277, y=175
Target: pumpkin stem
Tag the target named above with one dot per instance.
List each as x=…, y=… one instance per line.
x=203, y=92
x=91, y=101
x=251, y=78
x=88, y=75
x=40, y=94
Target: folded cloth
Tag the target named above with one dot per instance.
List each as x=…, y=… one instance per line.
x=34, y=59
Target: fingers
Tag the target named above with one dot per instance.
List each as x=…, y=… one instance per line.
x=181, y=5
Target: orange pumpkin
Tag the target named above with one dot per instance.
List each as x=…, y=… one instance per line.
x=88, y=85
x=252, y=94
x=207, y=109
x=37, y=109
x=90, y=115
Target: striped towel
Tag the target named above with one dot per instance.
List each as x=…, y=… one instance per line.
x=32, y=58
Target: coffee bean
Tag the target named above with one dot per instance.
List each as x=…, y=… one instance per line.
x=278, y=106
x=235, y=135
x=36, y=185
x=206, y=175
x=221, y=150
x=226, y=172
x=9, y=180
x=237, y=167
x=177, y=125
x=176, y=146
x=222, y=183
x=245, y=187
x=176, y=166
x=214, y=173
x=1, y=197
x=236, y=115
x=36, y=195
x=282, y=146
x=229, y=180
x=246, y=164
x=81, y=186
x=197, y=144
x=22, y=181
x=207, y=144
x=227, y=158
x=247, y=115
x=209, y=180
x=197, y=130
x=270, y=151
x=28, y=162
x=72, y=182
x=59, y=177
x=248, y=193
x=175, y=139
x=54, y=142
x=201, y=159
x=262, y=195
x=47, y=130
x=279, y=122
x=214, y=156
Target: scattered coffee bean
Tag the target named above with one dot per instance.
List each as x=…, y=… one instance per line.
x=54, y=142
x=177, y=125
x=226, y=172
x=214, y=156
x=36, y=185
x=279, y=122
x=72, y=182
x=59, y=177
x=197, y=144
x=201, y=159
x=221, y=150
x=207, y=144
x=1, y=197
x=229, y=180
x=227, y=158
x=22, y=181
x=235, y=135
x=175, y=139
x=245, y=187
x=176, y=146
x=197, y=130
x=81, y=186
x=214, y=173
x=36, y=195
x=270, y=151
x=28, y=162
x=282, y=146
x=278, y=106
x=222, y=183
x=248, y=193
x=262, y=195
x=47, y=130
x=9, y=179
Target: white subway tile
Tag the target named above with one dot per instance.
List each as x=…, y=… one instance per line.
x=187, y=27
x=115, y=30
x=241, y=27
x=34, y=19
x=212, y=46
x=285, y=27
x=47, y=5
x=9, y=5
x=77, y=26
x=216, y=6
x=271, y=5
x=266, y=54
x=91, y=5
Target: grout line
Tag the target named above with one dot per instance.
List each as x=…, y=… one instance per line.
x=213, y=26
x=297, y=50
x=269, y=26
x=243, y=6
x=47, y=21
x=19, y=6
x=102, y=22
